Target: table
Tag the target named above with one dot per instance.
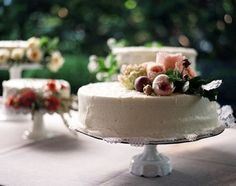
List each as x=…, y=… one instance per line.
x=65, y=160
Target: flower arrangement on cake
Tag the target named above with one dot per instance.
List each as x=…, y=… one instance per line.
x=171, y=73
x=33, y=51
x=50, y=99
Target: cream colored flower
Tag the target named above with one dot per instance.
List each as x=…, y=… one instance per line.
x=4, y=55
x=34, y=54
x=17, y=54
x=56, y=61
x=111, y=42
x=93, y=65
x=33, y=42
x=101, y=76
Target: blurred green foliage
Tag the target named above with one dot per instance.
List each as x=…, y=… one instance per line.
x=83, y=28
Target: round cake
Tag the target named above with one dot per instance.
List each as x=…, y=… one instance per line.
x=110, y=110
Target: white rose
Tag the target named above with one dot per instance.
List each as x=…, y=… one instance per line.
x=33, y=42
x=93, y=58
x=107, y=62
x=93, y=66
x=34, y=54
x=56, y=61
x=17, y=54
x=111, y=42
x=4, y=55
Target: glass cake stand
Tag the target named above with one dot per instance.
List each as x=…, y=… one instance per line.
x=151, y=163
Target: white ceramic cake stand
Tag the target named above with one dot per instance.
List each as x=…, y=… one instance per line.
x=37, y=130
x=151, y=163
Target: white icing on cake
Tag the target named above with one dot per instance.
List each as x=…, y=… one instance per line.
x=11, y=87
x=13, y=44
x=136, y=55
x=109, y=110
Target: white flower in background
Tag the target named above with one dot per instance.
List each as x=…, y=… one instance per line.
x=93, y=58
x=4, y=55
x=33, y=42
x=34, y=54
x=107, y=61
x=111, y=43
x=17, y=54
x=56, y=61
x=101, y=76
x=93, y=65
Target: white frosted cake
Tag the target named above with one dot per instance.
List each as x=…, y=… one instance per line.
x=109, y=110
x=11, y=87
x=162, y=99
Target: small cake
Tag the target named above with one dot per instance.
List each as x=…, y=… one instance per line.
x=12, y=86
x=29, y=95
x=161, y=100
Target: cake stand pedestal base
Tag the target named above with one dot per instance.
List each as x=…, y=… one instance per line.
x=37, y=130
x=150, y=163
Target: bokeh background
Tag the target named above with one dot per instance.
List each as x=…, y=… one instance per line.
x=83, y=28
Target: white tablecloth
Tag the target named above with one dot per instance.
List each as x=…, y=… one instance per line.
x=64, y=160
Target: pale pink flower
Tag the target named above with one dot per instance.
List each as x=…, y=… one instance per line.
x=185, y=71
x=153, y=70
x=168, y=61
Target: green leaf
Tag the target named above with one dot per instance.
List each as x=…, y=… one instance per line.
x=195, y=87
x=174, y=75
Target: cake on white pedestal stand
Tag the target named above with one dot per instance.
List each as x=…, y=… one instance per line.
x=151, y=163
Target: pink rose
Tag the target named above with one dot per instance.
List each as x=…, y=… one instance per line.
x=168, y=61
x=153, y=70
x=185, y=71
x=190, y=72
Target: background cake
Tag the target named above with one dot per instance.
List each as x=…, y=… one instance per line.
x=11, y=87
x=137, y=55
